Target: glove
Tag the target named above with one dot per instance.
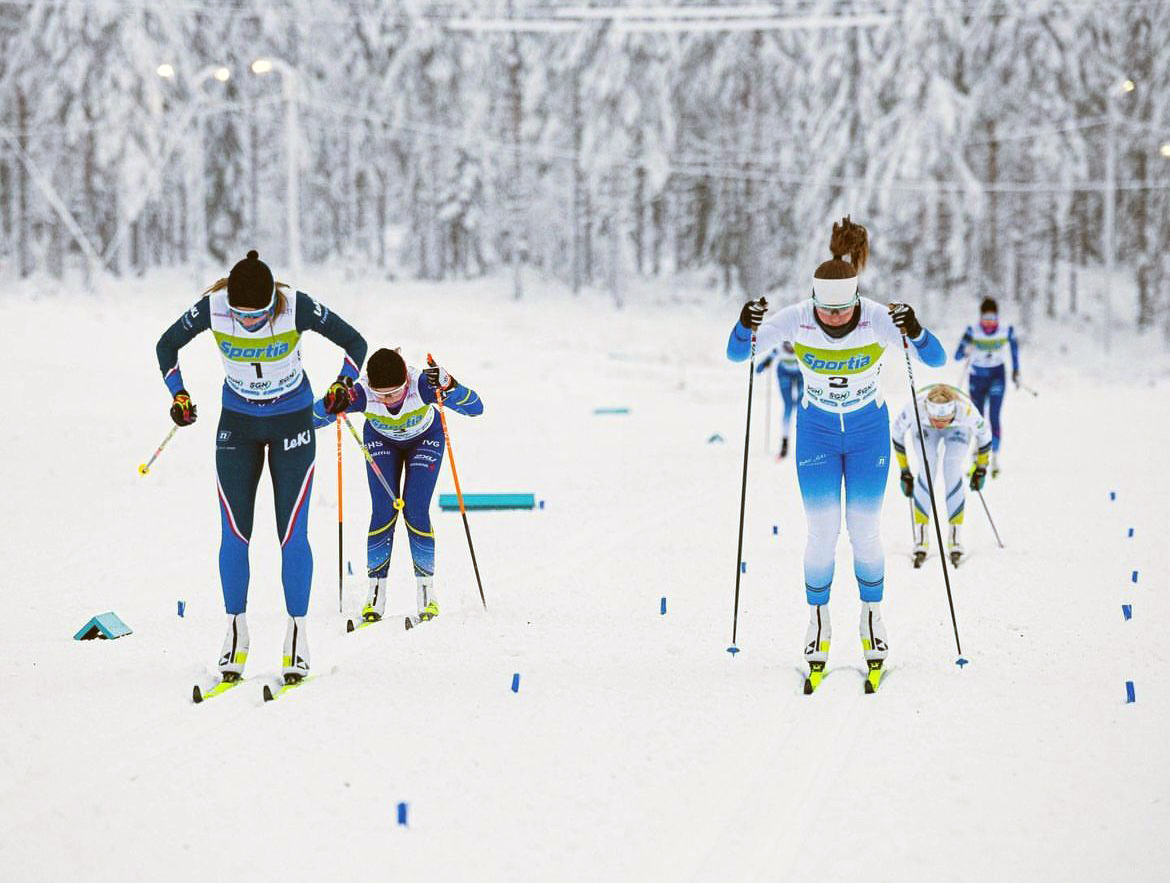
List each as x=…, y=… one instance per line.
x=339, y=395
x=183, y=409
x=907, y=483
x=903, y=316
x=763, y=366
x=1016, y=378
x=978, y=477
x=752, y=313
x=439, y=379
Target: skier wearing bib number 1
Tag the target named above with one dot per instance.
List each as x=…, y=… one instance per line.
x=267, y=405
x=842, y=429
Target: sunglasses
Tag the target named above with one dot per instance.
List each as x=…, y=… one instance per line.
x=392, y=393
x=837, y=311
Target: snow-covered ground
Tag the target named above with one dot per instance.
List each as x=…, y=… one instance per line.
x=636, y=747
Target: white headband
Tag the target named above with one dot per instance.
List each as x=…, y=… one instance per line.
x=941, y=410
x=834, y=293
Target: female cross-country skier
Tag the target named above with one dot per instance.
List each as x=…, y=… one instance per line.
x=842, y=428
x=791, y=386
x=267, y=406
x=952, y=421
x=402, y=435
x=986, y=380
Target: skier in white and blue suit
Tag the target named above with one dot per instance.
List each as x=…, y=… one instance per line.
x=791, y=385
x=987, y=382
x=267, y=405
x=843, y=424
x=405, y=439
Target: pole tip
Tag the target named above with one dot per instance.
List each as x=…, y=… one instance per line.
x=143, y=469
x=733, y=650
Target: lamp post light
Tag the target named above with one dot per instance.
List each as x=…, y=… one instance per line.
x=288, y=88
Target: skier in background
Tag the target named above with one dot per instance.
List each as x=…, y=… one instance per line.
x=952, y=421
x=986, y=381
x=791, y=386
x=403, y=436
x=842, y=428
x=267, y=405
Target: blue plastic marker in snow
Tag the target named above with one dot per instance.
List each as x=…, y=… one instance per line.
x=182, y=607
x=1133, y=576
x=402, y=814
x=775, y=530
x=1113, y=495
x=715, y=438
x=1129, y=695
x=1130, y=534
x=516, y=683
x=540, y=505
x=663, y=610
x=349, y=567
x=1127, y=611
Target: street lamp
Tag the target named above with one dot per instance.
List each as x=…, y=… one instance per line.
x=288, y=89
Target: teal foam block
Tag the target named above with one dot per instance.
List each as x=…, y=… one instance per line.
x=449, y=502
x=611, y=410
x=105, y=626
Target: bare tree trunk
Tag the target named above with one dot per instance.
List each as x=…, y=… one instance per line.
x=23, y=222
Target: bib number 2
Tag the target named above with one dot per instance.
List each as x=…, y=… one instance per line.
x=836, y=382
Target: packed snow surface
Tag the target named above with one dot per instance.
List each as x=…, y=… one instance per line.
x=636, y=748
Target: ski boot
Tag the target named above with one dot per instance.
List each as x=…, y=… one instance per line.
x=783, y=447
x=873, y=643
x=995, y=464
x=920, y=543
x=234, y=652
x=954, y=547
x=816, y=646
x=376, y=601
x=428, y=604
x=295, y=662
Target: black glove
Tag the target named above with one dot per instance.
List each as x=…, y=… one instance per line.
x=763, y=366
x=339, y=395
x=907, y=483
x=903, y=316
x=752, y=313
x=183, y=409
x=978, y=477
x=439, y=379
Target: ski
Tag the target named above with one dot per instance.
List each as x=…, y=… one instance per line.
x=197, y=695
x=352, y=625
x=816, y=674
x=270, y=694
x=874, y=678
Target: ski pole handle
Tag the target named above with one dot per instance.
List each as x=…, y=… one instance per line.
x=394, y=498
x=144, y=468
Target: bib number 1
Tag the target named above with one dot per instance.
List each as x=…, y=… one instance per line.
x=256, y=365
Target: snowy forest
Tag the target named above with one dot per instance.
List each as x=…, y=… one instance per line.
x=1013, y=148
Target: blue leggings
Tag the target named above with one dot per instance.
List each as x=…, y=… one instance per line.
x=986, y=386
x=420, y=458
x=240, y=445
x=853, y=449
x=791, y=389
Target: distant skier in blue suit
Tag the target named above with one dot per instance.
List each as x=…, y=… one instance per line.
x=791, y=385
x=986, y=382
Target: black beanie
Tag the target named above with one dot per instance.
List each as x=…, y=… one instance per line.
x=989, y=305
x=250, y=283
x=386, y=369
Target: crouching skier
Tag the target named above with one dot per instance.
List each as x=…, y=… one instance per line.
x=952, y=422
x=267, y=406
x=842, y=429
x=402, y=436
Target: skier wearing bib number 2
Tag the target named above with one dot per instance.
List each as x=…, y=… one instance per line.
x=842, y=429
x=267, y=404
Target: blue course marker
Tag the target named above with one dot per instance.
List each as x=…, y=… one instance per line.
x=1129, y=695
x=182, y=607
x=1113, y=495
x=1127, y=611
x=349, y=567
x=516, y=683
x=663, y=609
x=775, y=530
x=607, y=410
x=1130, y=534
x=714, y=438
x=1133, y=576
x=402, y=814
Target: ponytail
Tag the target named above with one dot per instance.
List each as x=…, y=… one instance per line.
x=847, y=240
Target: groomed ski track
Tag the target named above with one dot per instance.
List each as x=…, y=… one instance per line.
x=636, y=747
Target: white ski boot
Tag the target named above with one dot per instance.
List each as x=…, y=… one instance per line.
x=920, y=542
x=234, y=652
x=376, y=600
x=954, y=546
x=816, y=645
x=995, y=464
x=428, y=604
x=295, y=663
x=873, y=643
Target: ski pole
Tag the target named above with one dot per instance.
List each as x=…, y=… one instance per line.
x=930, y=490
x=1027, y=389
x=988, y=511
x=458, y=490
x=394, y=498
x=747, y=436
x=144, y=468
x=340, y=517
